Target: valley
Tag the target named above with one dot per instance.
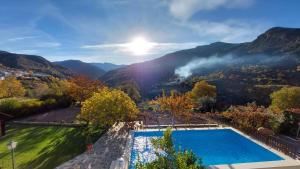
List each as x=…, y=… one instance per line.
x=160, y=84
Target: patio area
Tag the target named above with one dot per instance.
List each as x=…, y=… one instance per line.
x=106, y=150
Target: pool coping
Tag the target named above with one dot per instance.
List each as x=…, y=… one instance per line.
x=286, y=162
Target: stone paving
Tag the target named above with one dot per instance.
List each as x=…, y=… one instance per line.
x=107, y=149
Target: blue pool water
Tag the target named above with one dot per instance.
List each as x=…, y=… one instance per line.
x=220, y=146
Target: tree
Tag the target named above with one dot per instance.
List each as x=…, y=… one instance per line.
x=80, y=88
x=175, y=104
x=170, y=159
x=285, y=98
x=204, y=95
x=40, y=89
x=107, y=107
x=11, y=87
x=58, y=87
x=131, y=88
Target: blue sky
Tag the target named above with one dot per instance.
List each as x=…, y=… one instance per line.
x=100, y=30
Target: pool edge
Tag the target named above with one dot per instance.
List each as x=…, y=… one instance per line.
x=286, y=162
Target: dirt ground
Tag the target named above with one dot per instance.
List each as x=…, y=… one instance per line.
x=67, y=115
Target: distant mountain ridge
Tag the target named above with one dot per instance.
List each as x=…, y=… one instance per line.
x=82, y=68
x=32, y=63
x=59, y=69
x=108, y=66
x=277, y=41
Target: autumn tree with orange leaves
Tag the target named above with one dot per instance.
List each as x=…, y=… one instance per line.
x=81, y=88
x=178, y=105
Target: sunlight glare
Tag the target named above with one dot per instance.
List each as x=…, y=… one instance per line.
x=140, y=46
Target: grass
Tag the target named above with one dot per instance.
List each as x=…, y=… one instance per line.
x=43, y=147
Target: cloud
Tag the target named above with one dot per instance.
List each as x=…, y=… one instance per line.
x=22, y=38
x=234, y=31
x=120, y=53
x=184, y=9
x=156, y=48
x=105, y=46
x=48, y=44
x=228, y=30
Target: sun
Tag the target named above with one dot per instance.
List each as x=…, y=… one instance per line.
x=140, y=46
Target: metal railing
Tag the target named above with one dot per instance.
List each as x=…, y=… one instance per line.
x=276, y=143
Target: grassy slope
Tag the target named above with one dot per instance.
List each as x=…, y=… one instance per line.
x=42, y=147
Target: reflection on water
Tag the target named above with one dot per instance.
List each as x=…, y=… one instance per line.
x=142, y=150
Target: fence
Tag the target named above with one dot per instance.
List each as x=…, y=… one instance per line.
x=272, y=141
x=276, y=143
x=50, y=123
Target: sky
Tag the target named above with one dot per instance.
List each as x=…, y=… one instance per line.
x=130, y=31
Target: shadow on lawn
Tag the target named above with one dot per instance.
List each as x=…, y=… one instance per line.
x=63, y=145
x=27, y=138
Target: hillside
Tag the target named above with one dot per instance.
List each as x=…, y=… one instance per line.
x=81, y=68
x=235, y=68
x=32, y=63
x=108, y=66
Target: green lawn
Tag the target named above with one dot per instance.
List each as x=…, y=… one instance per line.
x=43, y=147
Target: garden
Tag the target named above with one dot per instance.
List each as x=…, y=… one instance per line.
x=44, y=147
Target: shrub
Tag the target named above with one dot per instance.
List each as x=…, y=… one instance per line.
x=61, y=101
x=24, y=107
x=9, y=105
x=285, y=98
x=249, y=117
x=17, y=107
x=289, y=125
x=28, y=107
x=50, y=103
x=275, y=122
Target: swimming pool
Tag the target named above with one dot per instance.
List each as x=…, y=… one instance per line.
x=213, y=146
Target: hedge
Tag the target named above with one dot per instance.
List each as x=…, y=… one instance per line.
x=24, y=107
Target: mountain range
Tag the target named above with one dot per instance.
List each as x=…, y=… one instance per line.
x=32, y=63
x=242, y=72
x=108, y=66
x=81, y=68
x=236, y=69
x=59, y=69
x=92, y=70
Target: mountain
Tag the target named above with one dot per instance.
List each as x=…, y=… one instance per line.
x=277, y=41
x=82, y=68
x=108, y=66
x=32, y=63
x=271, y=59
